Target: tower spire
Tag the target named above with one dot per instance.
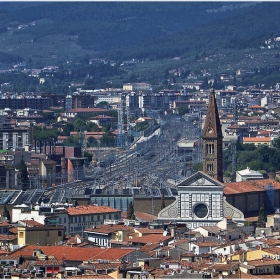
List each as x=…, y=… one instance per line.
x=212, y=138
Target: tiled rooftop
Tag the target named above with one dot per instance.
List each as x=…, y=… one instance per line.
x=149, y=231
x=110, y=228
x=151, y=238
x=91, y=209
x=30, y=223
x=249, y=186
x=74, y=253
x=144, y=217
x=263, y=262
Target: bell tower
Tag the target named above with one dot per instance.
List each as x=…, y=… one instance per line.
x=212, y=139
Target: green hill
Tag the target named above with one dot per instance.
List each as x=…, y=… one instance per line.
x=59, y=31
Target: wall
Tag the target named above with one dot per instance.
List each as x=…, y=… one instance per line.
x=144, y=204
x=40, y=235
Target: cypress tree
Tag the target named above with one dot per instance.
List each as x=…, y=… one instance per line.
x=162, y=201
x=23, y=174
x=6, y=213
x=130, y=212
x=262, y=217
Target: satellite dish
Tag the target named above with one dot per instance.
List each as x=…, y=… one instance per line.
x=262, y=231
x=165, y=233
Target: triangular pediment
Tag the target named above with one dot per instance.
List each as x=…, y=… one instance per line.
x=200, y=179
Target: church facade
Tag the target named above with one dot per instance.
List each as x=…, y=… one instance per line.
x=200, y=200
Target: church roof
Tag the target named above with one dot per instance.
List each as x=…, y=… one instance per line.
x=250, y=186
x=212, y=127
x=197, y=177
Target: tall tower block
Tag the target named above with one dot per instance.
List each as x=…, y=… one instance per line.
x=212, y=139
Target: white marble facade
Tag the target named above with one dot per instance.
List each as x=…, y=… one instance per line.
x=200, y=202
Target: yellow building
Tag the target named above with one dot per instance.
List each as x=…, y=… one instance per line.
x=257, y=141
x=43, y=235
x=258, y=254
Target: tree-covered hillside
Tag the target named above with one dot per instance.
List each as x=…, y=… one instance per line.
x=123, y=30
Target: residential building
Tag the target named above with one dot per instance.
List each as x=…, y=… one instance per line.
x=137, y=87
x=248, y=174
x=109, y=235
x=36, y=233
x=257, y=141
x=153, y=101
x=14, y=137
x=83, y=217
x=72, y=113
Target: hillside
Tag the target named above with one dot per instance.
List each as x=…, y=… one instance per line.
x=59, y=31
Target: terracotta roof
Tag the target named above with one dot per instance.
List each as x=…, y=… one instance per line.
x=91, y=276
x=30, y=223
x=208, y=244
x=151, y=238
x=74, y=253
x=3, y=252
x=148, y=247
x=223, y=266
x=100, y=266
x=256, y=139
x=272, y=250
x=91, y=209
x=149, y=231
x=5, y=224
x=242, y=275
x=145, y=217
x=249, y=186
x=213, y=229
x=263, y=262
x=5, y=237
x=48, y=262
x=252, y=219
x=13, y=230
x=87, y=110
x=106, y=229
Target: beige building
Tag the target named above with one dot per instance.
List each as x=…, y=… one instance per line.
x=43, y=235
x=137, y=86
x=257, y=141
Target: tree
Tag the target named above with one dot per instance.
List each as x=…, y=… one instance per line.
x=23, y=174
x=6, y=213
x=92, y=141
x=130, y=211
x=183, y=110
x=162, y=201
x=262, y=217
x=102, y=104
x=79, y=124
x=67, y=129
x=107, y=140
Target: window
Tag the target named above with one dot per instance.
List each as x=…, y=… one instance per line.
x=48, y=234
x=21, y=234
x=201, y=210
x=98, y=218
x=210, y=167
x=65, y=220
x=59, y=233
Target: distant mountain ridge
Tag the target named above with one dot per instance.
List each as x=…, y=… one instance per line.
x=67, y=30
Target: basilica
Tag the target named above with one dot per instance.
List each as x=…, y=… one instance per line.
x=200, y=200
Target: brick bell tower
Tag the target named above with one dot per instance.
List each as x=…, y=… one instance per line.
x=212, y=139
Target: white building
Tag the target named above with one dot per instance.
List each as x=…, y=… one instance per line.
x=200, y=202
x=248, y=174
